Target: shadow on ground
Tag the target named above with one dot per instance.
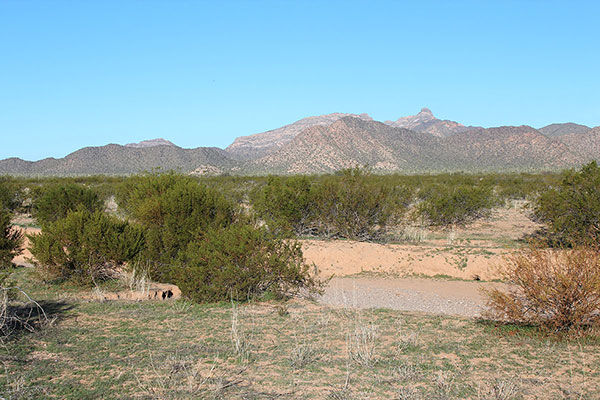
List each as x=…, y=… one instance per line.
x=22, y=318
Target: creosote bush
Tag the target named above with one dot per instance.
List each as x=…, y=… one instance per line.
x=455, y=205
x=572, y=208
x=287, y=205
x=241, y=262
x=172, y=209
x=558, y=290
x=56, y=201
x=85, y=247
x=353, y=204
x=11, y=240
x=356, y=206
x=198, y=240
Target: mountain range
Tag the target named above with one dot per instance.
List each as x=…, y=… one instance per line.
x=326, y=143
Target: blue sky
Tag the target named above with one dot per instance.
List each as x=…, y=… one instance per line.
x=82, y=73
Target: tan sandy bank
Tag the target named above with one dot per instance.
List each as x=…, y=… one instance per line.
x=343, y=258
x=25, y=256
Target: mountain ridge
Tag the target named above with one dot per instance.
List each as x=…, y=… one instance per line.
x=326, y=143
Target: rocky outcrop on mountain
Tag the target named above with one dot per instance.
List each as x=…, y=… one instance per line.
x=425, y=121
x=554, y=130
x=255, y=146
x=150, y=143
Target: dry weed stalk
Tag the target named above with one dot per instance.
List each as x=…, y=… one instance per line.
x=180, y=378
x=556, y=289
x=137, y=281
x=414, y=234
x=361, y=342
x=240, y=339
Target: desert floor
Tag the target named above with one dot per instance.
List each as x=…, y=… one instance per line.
x=395, y=322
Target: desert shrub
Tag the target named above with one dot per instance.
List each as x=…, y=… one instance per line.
x=286, y=205
x=172, y=209
x=446, y=205
x=10, y=240
x=354, y=205
x=572, y=208
x=241, y=262
x=56, y=201
x=556, y=289
x=9, y=193
x=85, y=246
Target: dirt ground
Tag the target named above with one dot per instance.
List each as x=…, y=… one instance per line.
x=463, y=253
x=25, y=256
x=375, y=275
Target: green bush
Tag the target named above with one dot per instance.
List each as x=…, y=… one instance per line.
x=10, y=240
x=354, y=205
x=56, y=201
x=241, y=262
x=287, y=205
x=85, y=247
x=8, y=193
x=172, y=209
x=572, y=208
x=443, y=205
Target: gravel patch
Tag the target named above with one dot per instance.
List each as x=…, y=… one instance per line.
x=407, y=294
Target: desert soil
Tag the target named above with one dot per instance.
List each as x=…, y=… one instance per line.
x=398, y=276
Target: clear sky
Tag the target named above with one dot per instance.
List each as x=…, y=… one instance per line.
x=82, y=73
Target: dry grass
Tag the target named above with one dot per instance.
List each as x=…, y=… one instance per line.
x=179, y=350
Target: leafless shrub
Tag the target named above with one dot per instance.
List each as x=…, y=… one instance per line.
x=407, y=372
x=27, y=316
x=304, y=354
x=556, y=289
x=408, y=393
x=340, y=394
x=282, y=310
x=444, y=385
x=499, y=389
x=407, y=340
x=178, y=377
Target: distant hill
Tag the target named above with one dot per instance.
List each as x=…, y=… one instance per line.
x=326, y=143
x=114, y=159
x=554, y=130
